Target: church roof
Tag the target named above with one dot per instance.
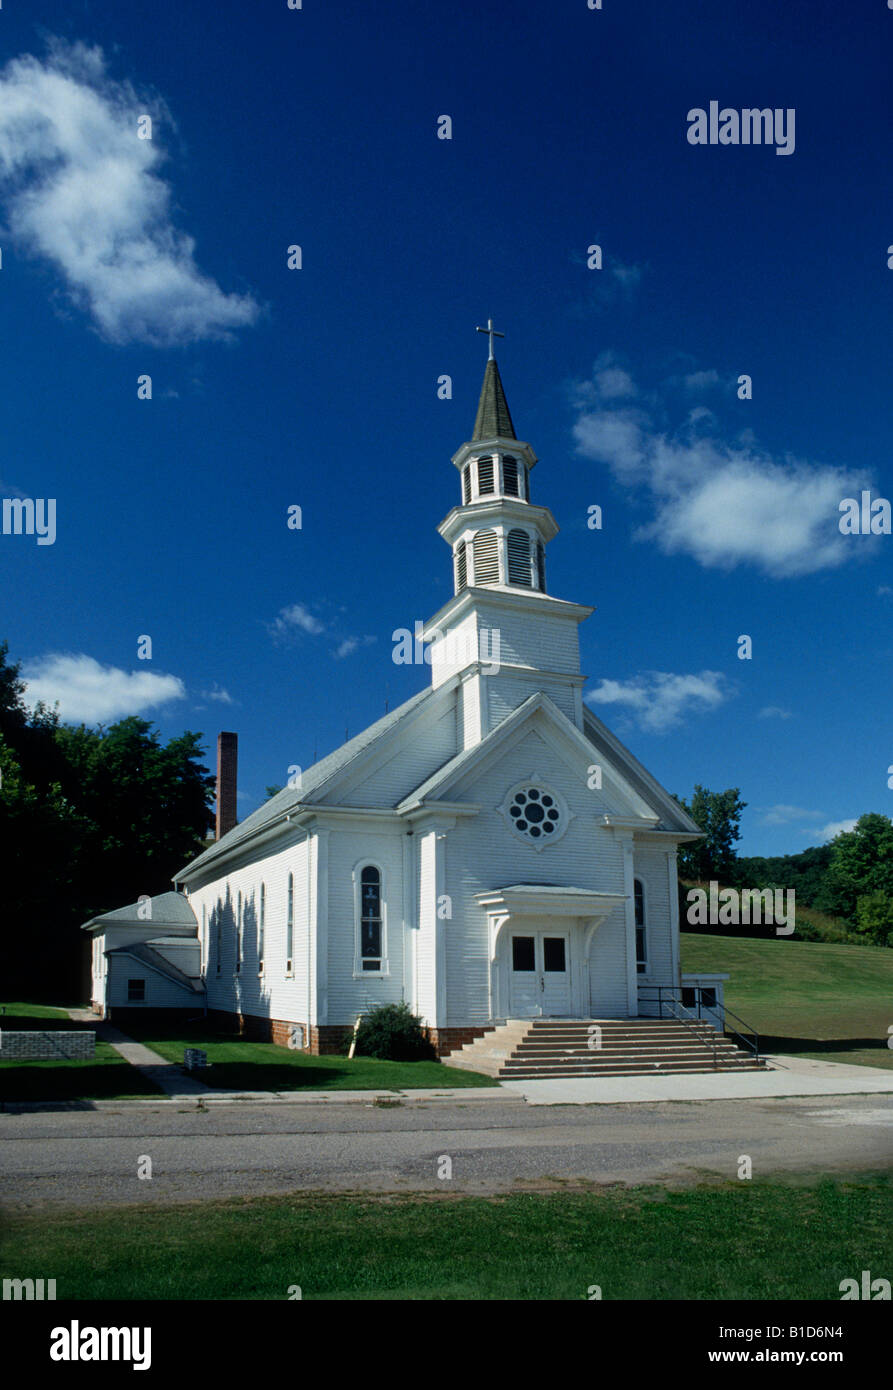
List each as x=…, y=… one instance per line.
x=494, y=420
x=312, y=778
x=167, y=910
x=618, y=757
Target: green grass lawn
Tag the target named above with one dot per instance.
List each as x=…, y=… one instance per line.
x=747, y=1240
x=240, y=1065
x=107, y=1076
x=808, y=998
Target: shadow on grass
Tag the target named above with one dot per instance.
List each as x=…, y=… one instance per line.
x=769, y=1043
x=38, y=1023
x=256, y=1076
x=68, y=1081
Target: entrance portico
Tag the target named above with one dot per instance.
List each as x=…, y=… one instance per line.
x=539, y=941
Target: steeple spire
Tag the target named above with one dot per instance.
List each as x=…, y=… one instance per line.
x=493, y=420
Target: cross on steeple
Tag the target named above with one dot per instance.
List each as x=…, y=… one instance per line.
x=493, y=334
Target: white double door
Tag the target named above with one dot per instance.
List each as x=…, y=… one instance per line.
x=539, y=974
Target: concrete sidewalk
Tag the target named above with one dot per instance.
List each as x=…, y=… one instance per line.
x=173, y=1080
x=789, y=1076
x=179, y=1085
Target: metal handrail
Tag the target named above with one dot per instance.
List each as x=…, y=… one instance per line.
x=691, y=1023
x=718, y=1012
x=754, y=1046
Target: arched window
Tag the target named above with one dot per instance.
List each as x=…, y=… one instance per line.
x=466, y=484
x=461, y=568
x=541, y=566
x=290, y=927
x=519, y=558
x=261, y=925
x=486, y=558
x=371, y=922
x=239, y=924
x=510, y=483
x=486, y=483
x=641, y=938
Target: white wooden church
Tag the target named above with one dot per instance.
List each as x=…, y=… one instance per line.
x=489, y=851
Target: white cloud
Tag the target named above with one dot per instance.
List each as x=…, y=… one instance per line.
x=628, y=276
x=613, y=383
x=660, y=700
x=774, y=712
x=784, y=815
x=218, y=693
x=297, y=615
x=699, y=381
x=351, y=644
x=722, y=504
x=89, y=693
x=884, y=591
x=82, y=191
x=836, y=827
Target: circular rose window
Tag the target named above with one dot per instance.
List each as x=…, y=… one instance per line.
x=535, y=813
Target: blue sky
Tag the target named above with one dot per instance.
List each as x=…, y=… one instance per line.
x=317, y=387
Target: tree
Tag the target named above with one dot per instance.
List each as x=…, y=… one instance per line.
x=874, y=918
x=147, y=803
x=718, y=814
x=862, y=863
x=89, y=820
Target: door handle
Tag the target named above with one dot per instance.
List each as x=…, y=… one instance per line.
x=542, y=983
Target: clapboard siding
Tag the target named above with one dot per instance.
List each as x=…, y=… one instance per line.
x=505, y=694
x=545, y=640
x=272, y=994
x=425, y=942
x=347, y=850
x=459, y=651
x=607, y=968
x=483, y=854
x=426, y=746
x=161, y=993
x=651, y=867
x=470, y=713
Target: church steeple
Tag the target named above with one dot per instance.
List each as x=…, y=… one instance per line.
x=497, y=535
x=501, y=633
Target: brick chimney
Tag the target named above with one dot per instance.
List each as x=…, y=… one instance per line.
x=227, y=781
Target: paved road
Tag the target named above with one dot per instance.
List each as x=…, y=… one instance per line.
x=84, y=1157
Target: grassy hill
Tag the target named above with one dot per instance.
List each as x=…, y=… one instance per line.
x=810, y=998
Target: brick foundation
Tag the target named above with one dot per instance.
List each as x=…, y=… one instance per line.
x=322, y=1040
x=447, y=1040
x=326, y=1040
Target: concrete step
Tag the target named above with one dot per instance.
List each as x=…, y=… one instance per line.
x=607, y=1064
x=537, y=1074
x=526, y=1049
